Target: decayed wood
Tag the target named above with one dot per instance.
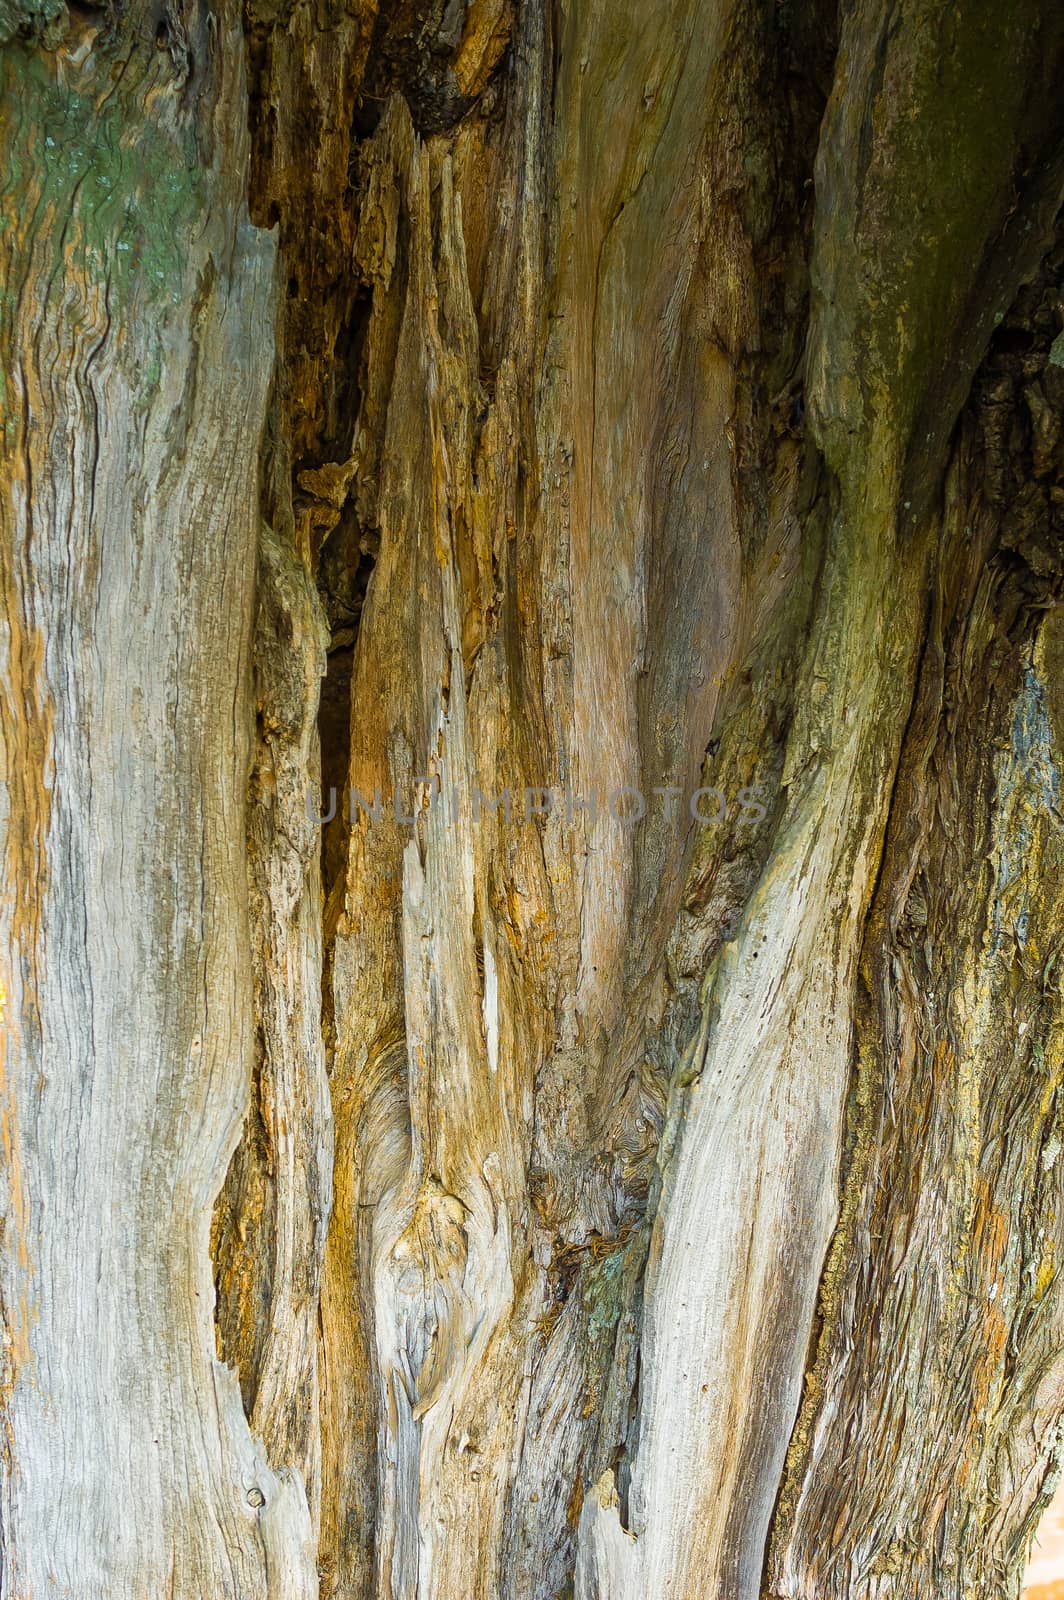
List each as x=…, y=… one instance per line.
x=505, y=951
x=270, y=1223
x=663, y=398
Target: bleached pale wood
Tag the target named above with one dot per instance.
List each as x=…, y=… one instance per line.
x=137, y=348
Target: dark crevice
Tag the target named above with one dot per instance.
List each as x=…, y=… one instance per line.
x=240, y=1250
x=343, y=564
x=347, y=562
x=412, y=44
x=341, y=389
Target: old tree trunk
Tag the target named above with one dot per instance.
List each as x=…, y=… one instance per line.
x=438, y=400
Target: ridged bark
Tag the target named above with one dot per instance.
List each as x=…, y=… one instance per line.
x=643, y=401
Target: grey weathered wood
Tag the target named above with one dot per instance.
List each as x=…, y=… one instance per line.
x=643, y=397
x=137, y=348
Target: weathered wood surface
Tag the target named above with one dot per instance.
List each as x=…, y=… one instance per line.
x=649, y=398
x=136, y=352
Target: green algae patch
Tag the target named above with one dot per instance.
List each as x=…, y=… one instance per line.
x=906, y=231
x=601, y=1293
x=43, y=20
x=120, y=195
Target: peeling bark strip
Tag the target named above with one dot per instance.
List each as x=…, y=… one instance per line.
x=595, y=395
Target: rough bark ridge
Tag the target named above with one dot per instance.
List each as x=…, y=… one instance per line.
x=625, y=1206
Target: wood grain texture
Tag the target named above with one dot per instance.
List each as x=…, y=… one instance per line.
x=748, y=1198
x=564, y=401
x=137, y=345
x=946, y=1252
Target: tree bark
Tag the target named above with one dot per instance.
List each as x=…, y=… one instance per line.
x=650, y=1184
x=137, y=347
